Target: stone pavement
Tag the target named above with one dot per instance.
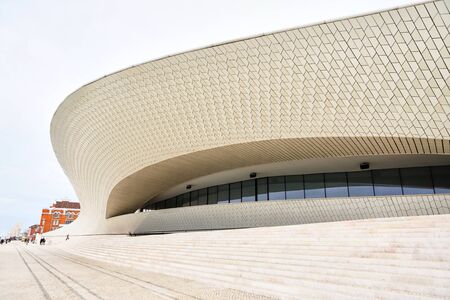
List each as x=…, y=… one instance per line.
x=43, y=272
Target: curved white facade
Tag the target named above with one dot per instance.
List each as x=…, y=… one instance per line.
x=358, y=89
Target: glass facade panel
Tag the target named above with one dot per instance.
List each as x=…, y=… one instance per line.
x=416, y=181
x=387, y=182
x=336, y=185
x=294, y=187
x=212, y=195
x=160, y=205
x=179, y=200
x=171, y=203
x=194, y=198
x=261, y=189
x=202, y=197
x=441, y=179
x=249, y=190
x=223, y=194
x=314, y=186
x=186, y=199
x=407, y=181
x=360, y=184
x=277, y=188
x=235, y=192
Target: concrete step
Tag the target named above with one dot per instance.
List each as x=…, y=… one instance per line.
x=249, y=285
x=291, y=266
x=388, y=248
x=434, y=262
x=394, y=258
x=391, y=252
x=437, y=261
x=428, y=244
x=332, y=284
x=270, y=231
x=409, y=269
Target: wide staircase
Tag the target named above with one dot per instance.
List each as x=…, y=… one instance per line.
x=393, y=258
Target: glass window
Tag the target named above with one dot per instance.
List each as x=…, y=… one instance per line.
x=212, y=195
x=261, y=189
x=160, y=205
x=387, y=182
x=407, y=181
x=186, y=199
x=314, y=186
x=194, y=198
x=235, y=192
x=171, y=203
x=416, y=181
x=202, y=197
x=248, y=190
x=276, y=188
x=223, y=194
x=441, y=179
x=360, y=184
x=180, y=200
x=294, y=187
x=336, y=185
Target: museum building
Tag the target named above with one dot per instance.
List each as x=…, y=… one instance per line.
x=339, y=120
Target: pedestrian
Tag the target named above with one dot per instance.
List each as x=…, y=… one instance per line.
x=67, y=237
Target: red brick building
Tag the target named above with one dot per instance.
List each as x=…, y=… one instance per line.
x=32, y=230
x=59, y=214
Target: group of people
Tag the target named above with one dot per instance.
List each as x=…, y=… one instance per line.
x=5, y=241
x=41, y=241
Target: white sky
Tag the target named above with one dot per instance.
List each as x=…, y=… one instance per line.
x=49, y=48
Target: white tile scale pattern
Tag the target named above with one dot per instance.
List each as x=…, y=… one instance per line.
x=375, y=84
x=277, y=213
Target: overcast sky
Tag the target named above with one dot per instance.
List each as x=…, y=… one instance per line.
x=50, y=48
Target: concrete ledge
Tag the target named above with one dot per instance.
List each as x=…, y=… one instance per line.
x=273, y=213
